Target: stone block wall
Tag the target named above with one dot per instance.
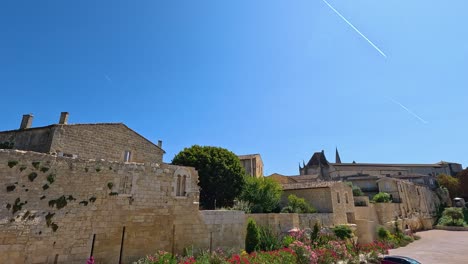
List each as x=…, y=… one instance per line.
x=104, y=141
x=319, y=198
x=50, y=208
x=226, y=229
x=33, y=139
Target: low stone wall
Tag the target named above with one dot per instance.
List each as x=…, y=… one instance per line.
x=451, y=228
x=226, y=229
x=361, y=201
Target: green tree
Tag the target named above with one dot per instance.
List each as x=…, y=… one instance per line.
x=262, y=193
x=252, y=239
x=343, y=232
x=382, y=197
x=451, y=183
x=454, y=213
x=221, y=175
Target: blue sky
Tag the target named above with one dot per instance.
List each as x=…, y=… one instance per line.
x=279, y=78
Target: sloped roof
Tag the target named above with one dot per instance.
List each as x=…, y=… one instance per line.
x=318, y=159
x=89, y=124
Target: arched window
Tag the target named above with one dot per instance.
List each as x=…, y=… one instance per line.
x=178, y=185
x=181, y=184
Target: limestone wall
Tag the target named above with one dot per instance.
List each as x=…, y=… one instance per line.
x=34, y=139
x=319, y=198
x=226, y=229
x=50, y=208
x=104, y=141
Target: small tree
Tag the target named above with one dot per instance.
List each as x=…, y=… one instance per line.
x=357, y=191
x=263, y=194
x=449, y=182
x=252, y=239
x=454, y=213
x=382, y=197
x=343, y=232
x=221, y=175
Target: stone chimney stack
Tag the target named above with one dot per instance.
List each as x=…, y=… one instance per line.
x=63, y=118
x=160, y=143
x=26, y=122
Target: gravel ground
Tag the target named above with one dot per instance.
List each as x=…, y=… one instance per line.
x=437, y=246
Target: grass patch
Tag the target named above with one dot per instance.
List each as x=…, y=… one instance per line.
x=44, y=169
x=22, y=168
x=10, y=188
x=45, y=187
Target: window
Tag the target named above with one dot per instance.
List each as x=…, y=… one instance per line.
x=346, y=197
x=178, y=186
x=127, y=156
x=181, y=183
x=338, y=197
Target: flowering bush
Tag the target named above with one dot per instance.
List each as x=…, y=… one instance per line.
x=161, y=257
x=304, y=253
x=325, y=249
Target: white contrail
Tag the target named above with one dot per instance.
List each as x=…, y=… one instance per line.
x=357, y=30
x=409, y=111
x=108, y=79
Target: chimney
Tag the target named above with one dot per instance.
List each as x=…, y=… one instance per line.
x=26, y=122
x=160, y=143
x=63, y=118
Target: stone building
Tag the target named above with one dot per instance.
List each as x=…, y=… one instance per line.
x=253, y=164
x=367, y=173
x=108, y=141
x=327, y=197
x=71, y=191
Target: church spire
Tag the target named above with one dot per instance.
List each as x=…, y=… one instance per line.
x=337, y=156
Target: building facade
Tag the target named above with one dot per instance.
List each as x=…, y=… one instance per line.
x=253, y=164
x=108, y=141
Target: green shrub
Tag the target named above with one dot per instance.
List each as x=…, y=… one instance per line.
x=268, y=239
x=252, y=239
x=287, y=240
x=343, y=232
x=357, y=191
x=298, y=205
x=383, y=234
x=382, y=197
x=6, y=145
x=315, y=231
x=453, y=214
x=262, y=193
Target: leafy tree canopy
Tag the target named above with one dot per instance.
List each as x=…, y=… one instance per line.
x=382, y=197
x=263, y=194
x=449, y=182
x=221, y=175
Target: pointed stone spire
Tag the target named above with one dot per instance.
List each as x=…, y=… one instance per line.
x=337, y=157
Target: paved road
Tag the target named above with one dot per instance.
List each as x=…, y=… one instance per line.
x=437, y=246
